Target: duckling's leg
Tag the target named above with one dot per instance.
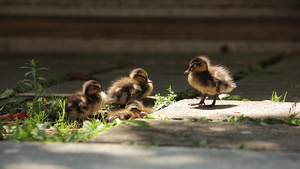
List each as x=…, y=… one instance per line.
x=214, y=102
x=201, y=101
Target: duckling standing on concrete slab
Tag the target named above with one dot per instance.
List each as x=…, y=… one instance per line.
x=209, y=79
x=135, y=87
x=84, y=103
x=133, y=110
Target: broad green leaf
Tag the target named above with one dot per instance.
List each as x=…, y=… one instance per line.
x=7, y=93
x=142, y=123
x=25, y=80
x=204, y=119
x=42, y=78
x=17, y=99
x=27, y=73
x=42, y=68
x=25, y=67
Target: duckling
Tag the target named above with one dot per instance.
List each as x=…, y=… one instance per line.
x=133, y=110
x=135, y=87
x=83, y=103
x=209, y=79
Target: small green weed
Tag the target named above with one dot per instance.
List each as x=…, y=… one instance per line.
x=293, y=119
x=33, y=84
x=162, y=102
x=47, y=121
x=276, y=98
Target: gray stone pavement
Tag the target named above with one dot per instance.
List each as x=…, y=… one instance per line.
x=205, y=134
x=112, y=156
x=276, y=145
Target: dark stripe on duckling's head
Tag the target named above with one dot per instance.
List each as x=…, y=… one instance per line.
x=91, y=87
x=198, y=64
x=140, y=75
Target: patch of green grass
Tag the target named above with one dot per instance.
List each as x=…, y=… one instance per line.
x=290, y=120
x=202, y=143
x=255, y=68
x=247, y=71
x=241, y=147
x=276, y=98
x=47, y=121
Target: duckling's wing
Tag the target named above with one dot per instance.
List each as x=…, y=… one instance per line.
x=222, y=78
x=73, y=104
x=122, y=90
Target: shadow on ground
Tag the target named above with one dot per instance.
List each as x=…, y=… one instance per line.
x=212, y=135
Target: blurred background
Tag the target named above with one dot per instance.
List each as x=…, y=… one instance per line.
x=132, y=26
x=100, y=37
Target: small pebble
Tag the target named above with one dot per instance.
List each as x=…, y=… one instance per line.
x=216, y=129
x=246, y=132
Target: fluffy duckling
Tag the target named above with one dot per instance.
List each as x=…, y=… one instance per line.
x=83, y=103
x=133, y=110
x=209, y=79
x=135, y=87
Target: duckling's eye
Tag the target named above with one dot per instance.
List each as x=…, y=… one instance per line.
x=135, y=109
x=96, y=87
x=142, y=76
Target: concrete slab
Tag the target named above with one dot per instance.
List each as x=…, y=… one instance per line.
x=78, y=156
x=211, y=135
x=225, y=109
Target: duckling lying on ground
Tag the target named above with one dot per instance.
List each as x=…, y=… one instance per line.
x=209, y=79
x=133, y=110
x=83, y=103
x=135, y=87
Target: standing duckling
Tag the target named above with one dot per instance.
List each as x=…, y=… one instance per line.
x=133, y=110
x=209, y=79
x=135, y=87
x=84, y=103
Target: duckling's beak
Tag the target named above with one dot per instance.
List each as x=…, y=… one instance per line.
x=143, y=114
x=149, y=81
x=187, y=71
